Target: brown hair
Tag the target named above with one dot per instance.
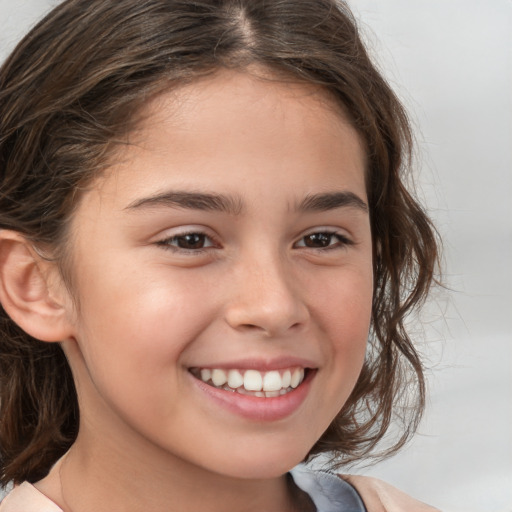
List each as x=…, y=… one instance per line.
x=71, y=89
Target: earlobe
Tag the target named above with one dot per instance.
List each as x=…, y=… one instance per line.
x=25, y=291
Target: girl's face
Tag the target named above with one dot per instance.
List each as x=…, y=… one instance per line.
x=231, y=240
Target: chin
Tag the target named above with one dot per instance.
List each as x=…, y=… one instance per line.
x=262, y=464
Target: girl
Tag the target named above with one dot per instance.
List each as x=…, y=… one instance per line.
x=207, y=254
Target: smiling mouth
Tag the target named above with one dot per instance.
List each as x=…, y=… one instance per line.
x=269, y=384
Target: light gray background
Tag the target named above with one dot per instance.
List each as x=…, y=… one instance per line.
x=451, y=63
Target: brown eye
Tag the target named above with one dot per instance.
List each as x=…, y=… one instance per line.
x=318, y=240
x=187, y=242
x=323, y=240
x=190, y=241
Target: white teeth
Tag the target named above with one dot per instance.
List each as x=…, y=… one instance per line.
x=286, y=379
x=219, y=377
x=253, y=380
x=206, y=375
x=235, y=379
x=272, y=381
x=297, y=377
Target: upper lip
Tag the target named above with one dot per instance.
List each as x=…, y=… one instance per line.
x=263, y=365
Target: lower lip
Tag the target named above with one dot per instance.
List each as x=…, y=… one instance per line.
x=259, y=408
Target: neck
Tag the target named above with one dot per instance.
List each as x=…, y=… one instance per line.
x=114, y=480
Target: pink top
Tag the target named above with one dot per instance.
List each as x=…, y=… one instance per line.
x=377, y=495
x=26, y=498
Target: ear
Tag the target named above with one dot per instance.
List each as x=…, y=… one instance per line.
x=31, y=290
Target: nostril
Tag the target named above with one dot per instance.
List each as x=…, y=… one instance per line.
x=268, y=330
x=251, y=327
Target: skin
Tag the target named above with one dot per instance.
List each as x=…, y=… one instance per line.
x=144, y=311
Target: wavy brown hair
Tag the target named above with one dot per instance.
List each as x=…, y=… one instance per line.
x=71, y=91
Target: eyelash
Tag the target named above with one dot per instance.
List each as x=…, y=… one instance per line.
x=167, y=243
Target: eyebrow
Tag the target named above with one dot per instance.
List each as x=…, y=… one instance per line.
x=191, y=201
x=234, y=205
x=331, y=201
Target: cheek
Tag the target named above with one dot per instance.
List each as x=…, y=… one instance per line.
x=131, y=339
x=344, y=303
x=343, y=311
x=136, y=323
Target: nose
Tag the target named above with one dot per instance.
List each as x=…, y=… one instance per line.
x=265, y=298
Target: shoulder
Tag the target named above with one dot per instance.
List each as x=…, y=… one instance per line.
x=378, y=496
x=26, y=498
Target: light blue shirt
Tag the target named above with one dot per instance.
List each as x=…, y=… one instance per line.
x=328, y=492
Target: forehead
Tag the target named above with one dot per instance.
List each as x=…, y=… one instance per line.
x=216, y=99
x=230, y=125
